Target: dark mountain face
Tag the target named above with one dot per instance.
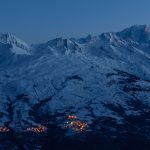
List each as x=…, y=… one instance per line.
x=89, y=93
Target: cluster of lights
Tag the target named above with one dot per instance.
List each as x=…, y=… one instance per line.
x=4, y=129
x=75, y=125
x=71, y=117
x=38, y=129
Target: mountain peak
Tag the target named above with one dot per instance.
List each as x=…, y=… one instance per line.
x=8, y=38
x=17, y=46
x=138, y=33
x=56, y=46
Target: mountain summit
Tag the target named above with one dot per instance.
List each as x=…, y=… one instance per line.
x=16, y=45
x=138, y=33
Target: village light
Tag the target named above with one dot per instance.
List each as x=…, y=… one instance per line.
x=75, y=125
x=38, y=129
x=71, y=117
x=4, y=129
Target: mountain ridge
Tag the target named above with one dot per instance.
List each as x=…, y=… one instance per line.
x=9, y=38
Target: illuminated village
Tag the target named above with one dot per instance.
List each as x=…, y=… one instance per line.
x=72, y=123
x=38, y=129
x=75, y=124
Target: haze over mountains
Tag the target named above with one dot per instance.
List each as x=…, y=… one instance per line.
x=96, y=78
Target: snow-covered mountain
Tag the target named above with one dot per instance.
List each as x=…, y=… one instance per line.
x=14, y=44
x=136, y=33
x=57, y=46
x=104, y=80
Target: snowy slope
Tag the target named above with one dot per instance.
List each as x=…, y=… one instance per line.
x=93, y=78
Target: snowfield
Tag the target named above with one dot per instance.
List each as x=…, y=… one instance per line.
x=93, y=78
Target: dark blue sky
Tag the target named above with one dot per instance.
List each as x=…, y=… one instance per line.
x=41, y=20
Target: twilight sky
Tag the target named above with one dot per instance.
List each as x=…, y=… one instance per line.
x=40, y=20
